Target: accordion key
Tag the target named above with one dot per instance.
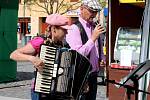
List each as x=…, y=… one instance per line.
x=43, y=82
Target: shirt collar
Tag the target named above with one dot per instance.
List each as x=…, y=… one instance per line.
x=85, y=22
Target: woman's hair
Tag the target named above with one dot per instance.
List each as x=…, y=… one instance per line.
x=49, y=31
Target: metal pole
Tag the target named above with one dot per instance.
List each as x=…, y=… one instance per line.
x=23, y=34
x=109, y=29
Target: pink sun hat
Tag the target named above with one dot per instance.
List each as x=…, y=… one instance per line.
x=58, y=20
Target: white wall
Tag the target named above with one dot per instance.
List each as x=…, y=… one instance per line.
x=35, y=25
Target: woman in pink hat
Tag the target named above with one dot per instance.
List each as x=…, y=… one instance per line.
x=58, y=26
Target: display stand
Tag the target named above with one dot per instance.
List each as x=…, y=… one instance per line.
x=130, y=82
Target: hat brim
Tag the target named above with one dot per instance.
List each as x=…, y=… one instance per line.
x=67, y=27
x=96, y=10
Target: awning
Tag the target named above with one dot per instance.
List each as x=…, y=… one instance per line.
x=140, y=3
x=131, y=1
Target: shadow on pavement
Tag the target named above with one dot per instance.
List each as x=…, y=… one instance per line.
x=24, y=76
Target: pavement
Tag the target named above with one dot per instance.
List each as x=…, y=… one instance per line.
x=20, y=89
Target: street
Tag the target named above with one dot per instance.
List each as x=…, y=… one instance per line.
x=20, y=89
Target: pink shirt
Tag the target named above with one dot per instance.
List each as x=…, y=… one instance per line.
x=73, y=38
x=36, y=43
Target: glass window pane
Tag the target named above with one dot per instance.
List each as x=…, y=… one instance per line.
x=128, y=39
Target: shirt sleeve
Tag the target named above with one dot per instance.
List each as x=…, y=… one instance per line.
x=36, y=43
x=102, y=56
x=73, y=38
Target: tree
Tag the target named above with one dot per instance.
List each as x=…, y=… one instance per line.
x=57, y=6
x=53, y=6
x=103, y=3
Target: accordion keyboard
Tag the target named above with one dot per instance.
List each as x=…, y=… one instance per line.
x=43, y=80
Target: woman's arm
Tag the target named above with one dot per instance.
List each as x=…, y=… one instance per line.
x=26, y=53
x=23, y=54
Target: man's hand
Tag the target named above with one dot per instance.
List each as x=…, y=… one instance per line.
x=102, y=63
x=97, y=32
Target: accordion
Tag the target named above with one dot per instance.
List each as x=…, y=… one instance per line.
x=65, y=72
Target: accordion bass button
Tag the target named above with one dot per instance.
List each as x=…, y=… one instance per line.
x=60, y=71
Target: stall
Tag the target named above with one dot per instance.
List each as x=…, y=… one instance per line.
x=123, y=43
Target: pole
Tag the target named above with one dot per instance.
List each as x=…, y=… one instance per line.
x=23, y=32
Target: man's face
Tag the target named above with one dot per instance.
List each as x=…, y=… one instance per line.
x=87, y=14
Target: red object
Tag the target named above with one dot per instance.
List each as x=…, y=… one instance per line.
x=44, y=26
x=116, y=65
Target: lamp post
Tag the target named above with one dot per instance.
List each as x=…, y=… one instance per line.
x=23, y=32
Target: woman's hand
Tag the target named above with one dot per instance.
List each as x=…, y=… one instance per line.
x=38, y=63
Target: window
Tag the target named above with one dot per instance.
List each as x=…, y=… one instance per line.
x=128, y=38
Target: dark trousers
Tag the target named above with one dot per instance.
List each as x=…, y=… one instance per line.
x=92, y=81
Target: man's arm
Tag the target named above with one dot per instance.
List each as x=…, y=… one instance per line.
x=73, y=38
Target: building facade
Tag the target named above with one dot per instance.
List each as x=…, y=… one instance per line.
x=31, y=18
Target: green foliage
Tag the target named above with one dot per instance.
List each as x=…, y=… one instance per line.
x=103, y=3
